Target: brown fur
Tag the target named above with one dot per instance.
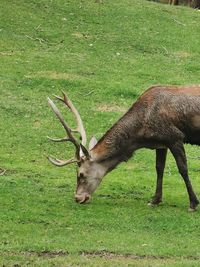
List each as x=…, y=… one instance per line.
x=163, y=117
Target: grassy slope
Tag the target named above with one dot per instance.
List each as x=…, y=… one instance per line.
x=114, y=51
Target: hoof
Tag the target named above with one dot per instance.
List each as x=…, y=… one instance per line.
x=154, y=202
x=193, y=205
x=192, y=209
x=151, y=204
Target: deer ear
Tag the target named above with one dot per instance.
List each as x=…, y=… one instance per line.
x=84, y=152
x=92, y=143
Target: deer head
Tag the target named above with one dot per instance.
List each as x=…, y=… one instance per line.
x=90, y=171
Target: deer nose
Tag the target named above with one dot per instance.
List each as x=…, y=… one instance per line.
x=81, y=198
x=78, y=198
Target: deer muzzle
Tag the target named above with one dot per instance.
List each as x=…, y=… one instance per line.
x=82, y=198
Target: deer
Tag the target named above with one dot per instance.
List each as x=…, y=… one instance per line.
x=163, y=118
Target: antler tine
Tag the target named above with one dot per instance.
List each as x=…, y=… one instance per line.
x=80, y=128
x=58, y=139
x=61, y=163
x=63, y=122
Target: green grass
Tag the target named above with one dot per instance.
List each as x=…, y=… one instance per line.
x=103, y=55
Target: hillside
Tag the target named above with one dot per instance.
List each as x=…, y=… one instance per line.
x=103, y=54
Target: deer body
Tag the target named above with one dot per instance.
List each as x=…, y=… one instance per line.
x=164, y=117
x=160, y=117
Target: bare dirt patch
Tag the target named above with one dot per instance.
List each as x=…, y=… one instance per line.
x=113, y=255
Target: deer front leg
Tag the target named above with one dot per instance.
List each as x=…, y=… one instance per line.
x=160, y=166
x=178, y=152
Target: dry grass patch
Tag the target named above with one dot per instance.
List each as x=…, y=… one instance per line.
x=182, y=54
x=80, y=35
x=111, y=108
x=55, y=75
x=6, y=53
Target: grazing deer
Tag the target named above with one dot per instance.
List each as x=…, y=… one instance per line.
x=163, y=117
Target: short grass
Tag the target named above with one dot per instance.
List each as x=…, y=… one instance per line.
x=103, y=54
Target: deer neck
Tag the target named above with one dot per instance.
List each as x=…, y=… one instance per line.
x=119, y=142
x=112, y=152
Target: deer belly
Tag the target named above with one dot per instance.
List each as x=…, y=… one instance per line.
x=195, y=122
x=192, y=130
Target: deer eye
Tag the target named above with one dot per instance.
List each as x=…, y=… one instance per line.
x=81, y=178
x=81, y=175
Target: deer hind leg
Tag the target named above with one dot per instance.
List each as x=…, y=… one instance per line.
x=178, y=152
x=173, y=2
x=161, y=155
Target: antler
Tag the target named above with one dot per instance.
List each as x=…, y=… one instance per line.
x=61, y=163
x=80, y=129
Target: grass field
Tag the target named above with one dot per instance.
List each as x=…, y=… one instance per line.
x=103, y=54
